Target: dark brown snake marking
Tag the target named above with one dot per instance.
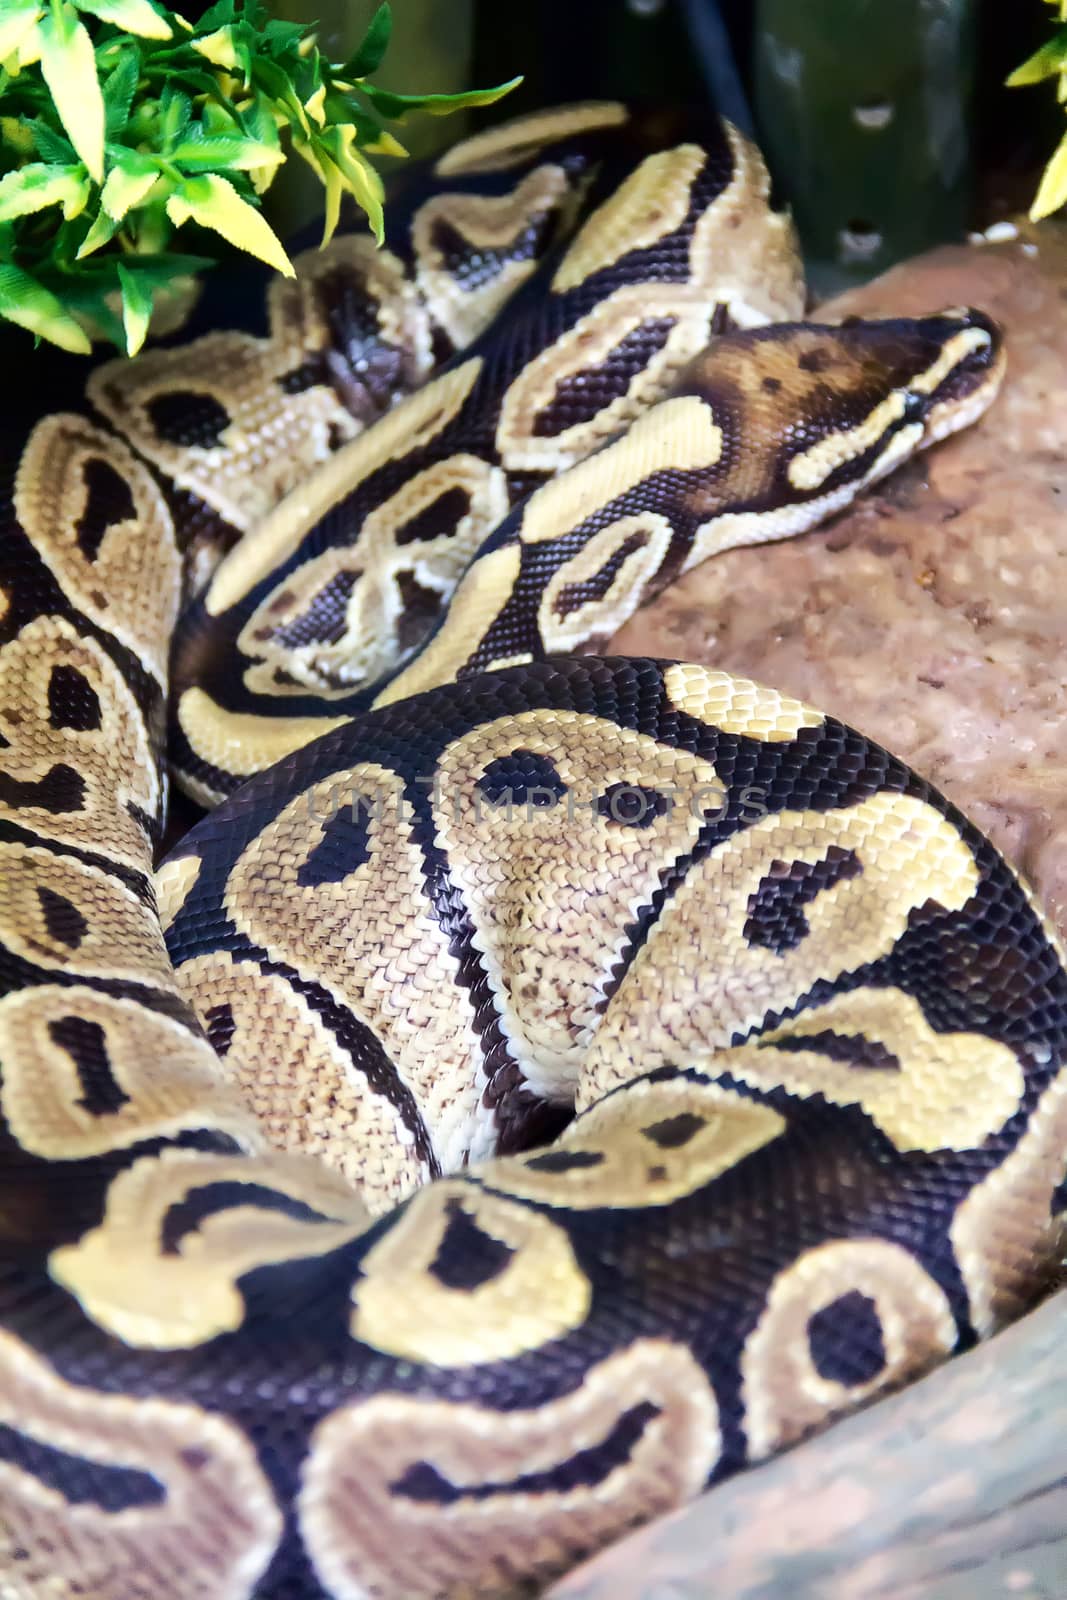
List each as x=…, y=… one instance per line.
x=812, y=1025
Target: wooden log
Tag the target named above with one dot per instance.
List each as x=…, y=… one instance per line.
x=954, y=1489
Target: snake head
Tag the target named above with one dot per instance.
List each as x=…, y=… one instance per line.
x=815, y=412
x=965, y=375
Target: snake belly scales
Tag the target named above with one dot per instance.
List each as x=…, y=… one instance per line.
x=555, y=1081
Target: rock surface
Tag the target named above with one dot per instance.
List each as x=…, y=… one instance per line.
x=933, y=616
x=953, y=1490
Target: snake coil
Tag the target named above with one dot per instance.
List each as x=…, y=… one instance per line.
x=547, y=1082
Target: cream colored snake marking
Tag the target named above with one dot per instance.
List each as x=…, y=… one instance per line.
x=559, y=1085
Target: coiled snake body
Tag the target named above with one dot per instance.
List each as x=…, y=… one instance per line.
x=353, y=1304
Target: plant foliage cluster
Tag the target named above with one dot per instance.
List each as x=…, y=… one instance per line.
x=120, y=122
x=1049, y=62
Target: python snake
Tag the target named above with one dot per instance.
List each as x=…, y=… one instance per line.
x=354, y=1304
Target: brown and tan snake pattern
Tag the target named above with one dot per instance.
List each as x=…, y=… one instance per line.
x=568, y=1079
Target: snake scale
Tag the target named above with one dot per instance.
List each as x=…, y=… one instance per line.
x=564, y=1079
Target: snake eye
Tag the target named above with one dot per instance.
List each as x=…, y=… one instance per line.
x=914, y=406
x=632, y=805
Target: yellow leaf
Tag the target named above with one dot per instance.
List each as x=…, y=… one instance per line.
x=29, y=304
x=333, y=183
x=214, y=203
x=1053, y=190
x=69, y=70
x=314, y=106
x=36, y=186
x=136, y=310
x=385, y=145
x=360, y=177
x=16, y=134
x=123, y=190
x=133, y=16
x=218, y=48
x=16, y=27
x=101, y=233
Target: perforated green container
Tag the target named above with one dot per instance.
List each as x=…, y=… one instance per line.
x=863, y=109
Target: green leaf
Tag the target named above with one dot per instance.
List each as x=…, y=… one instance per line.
x=69, y=69
x=132, y=16
x=36, y=185
x=1044, y=63
x=29, y=304
x=175, y=114
x=280, y=37
x=271, y=78
x=216, y=16
x=136, y=308
x=362, y=181
x=50, y=145
x=214, y=203
x=119, y=88
x=160, y=269
x=18, y=18
x=229, y=151
x=395, y=106
x=367, y=58
x=102, y=231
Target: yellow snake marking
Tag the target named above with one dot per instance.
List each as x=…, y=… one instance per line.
x=499, y=148
x=532, y=1289
x=686, y=308
x=646, y=1145
x=162, y=1077
x=1005, y=1228
x=551, y=891
x=679, y=434
x=5, y=602
x=366, y=932
x=371, y=1541
x=950, y=416
x=784, y=1392
x=737, y=705
x=406, y=427
x=371, y=641
x=71, y=477
x=745, y=256
x=58, y=912
x=953, y=352
x=699, y=980
x=109, y=766
x=479, y=598
x=129, y=1286
x=210, y=1536
x=946, y=1091
x=636, y=545
x=242, y=742
x=649, y=205
x=300, y=1084
x=488, y=222
x=810, y=468
x=274, y=438
x=174, y=882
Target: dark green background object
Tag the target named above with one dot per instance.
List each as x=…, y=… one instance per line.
x=864, y=108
